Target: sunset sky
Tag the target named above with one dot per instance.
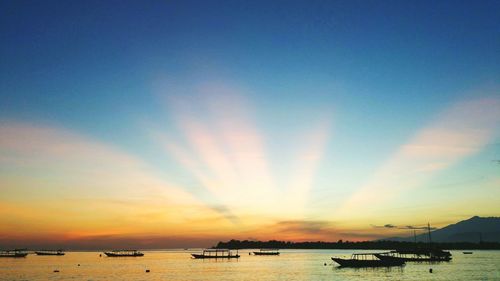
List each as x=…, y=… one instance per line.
x=161, y=124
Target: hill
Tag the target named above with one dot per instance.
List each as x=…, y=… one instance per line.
x=470, y=230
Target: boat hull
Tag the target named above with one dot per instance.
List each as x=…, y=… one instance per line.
x=412, y=259
x=201, y=256
x=114, y=255
x=265, y=254
x=16, y=255
x=49, y=254
x=367, y=263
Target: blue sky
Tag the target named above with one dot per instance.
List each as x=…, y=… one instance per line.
x=328, y=89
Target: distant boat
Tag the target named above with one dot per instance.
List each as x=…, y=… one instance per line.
x=17, y=253
x=467, y=253
x=50, y=253
x=366, y=260
x=267, y=252
x=124, y=253
x=217, y=254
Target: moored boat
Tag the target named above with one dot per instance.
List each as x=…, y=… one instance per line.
x=50, y=252
x=418, y=255
x=366, y=260
x=267, y=252
x=124, y=253
x=217, y=254
x=17, y=253
x=467, y=253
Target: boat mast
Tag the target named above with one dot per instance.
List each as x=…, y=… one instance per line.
x=429, y=231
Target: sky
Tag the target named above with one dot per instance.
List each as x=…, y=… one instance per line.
x=160, y=124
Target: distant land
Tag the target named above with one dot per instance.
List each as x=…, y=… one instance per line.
x=470, y=230
x=474, y=233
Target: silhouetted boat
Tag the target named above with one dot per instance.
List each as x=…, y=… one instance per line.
x=416, y=255
x=366, y=260
x=216, y=254
x=17, y=253
x=124, y=253
x=267, y=252
x=467, y=253
x=50, y=253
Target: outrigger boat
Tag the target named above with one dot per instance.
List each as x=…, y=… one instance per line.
x=217, y=254
x=124, y=253
x=419, y=255
x=17, y=253
x=50, y=252
x=267, y=252
x=366, y=260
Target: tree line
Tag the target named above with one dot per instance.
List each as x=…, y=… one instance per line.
x=365, y=245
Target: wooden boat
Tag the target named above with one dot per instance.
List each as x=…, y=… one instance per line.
x=427, y=253
x=267, y=252
x=367, y=260
x=17, y=253
x=50, y=253
x=419, y=255
x=217, y=254
x=124, y=253
x=467, y=253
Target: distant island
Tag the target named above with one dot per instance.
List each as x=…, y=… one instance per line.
x=475, y=233
x=364, y=245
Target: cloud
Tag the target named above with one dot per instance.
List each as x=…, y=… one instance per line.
x=391, y=226
x=219, y=142
x=57, y=182
x=303, y=226
x=458, y=132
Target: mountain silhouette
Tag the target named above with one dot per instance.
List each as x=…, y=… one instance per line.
x=472, y=230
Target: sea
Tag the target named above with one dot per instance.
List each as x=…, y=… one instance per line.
x=289, y=265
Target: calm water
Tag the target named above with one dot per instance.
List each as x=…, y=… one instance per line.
x=290, y=265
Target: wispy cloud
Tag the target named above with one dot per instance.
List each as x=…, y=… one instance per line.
x=69, y=182
x=459, y=132
x=223, y=148
x=391, y=226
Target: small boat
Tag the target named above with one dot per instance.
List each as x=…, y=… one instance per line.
x=124, y=253
x=50, y=252
x=367, y=260
x=416, y=255
x=217, y=254
x=267, y=252
x=17, y=253
x=467, y=253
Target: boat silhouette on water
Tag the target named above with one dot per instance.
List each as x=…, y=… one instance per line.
x=416, y=255
x=267, y=252
x=16, y=253
x=427, y=253
x=367, y=260
x=217, y=254
x=124, y=253
x=50, y=253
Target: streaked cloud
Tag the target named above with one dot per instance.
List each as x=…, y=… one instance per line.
x=458, y=132
x=224, y=149
x=58, y=182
